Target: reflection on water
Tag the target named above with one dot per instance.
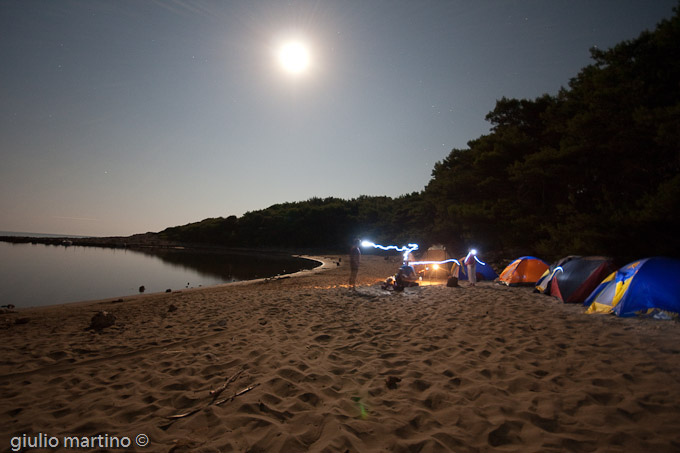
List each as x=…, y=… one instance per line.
x=231, y=267
x=36, y=274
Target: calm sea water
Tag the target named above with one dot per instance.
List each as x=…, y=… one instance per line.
x=37, y=275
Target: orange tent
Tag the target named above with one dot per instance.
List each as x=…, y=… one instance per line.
x=526, y=270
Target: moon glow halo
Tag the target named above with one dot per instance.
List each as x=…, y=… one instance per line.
x=294, y=57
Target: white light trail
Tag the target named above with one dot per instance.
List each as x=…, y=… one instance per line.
x=405, y=249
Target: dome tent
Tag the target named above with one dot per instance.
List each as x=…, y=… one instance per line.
x=543, y=284
x=646, y=287
x=526, y=270
x=577, y=278
x=484, y=271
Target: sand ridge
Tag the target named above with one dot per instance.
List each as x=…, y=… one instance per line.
x=322, y=368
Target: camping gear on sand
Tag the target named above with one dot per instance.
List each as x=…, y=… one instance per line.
x=526, y=270
x=647, y=287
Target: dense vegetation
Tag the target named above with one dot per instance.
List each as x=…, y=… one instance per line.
x=328, y=224
x=591, y=170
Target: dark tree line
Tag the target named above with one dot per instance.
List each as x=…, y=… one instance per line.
x=328, y=224
x=591, y=170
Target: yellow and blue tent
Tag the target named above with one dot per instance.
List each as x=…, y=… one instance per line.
x=645, y=288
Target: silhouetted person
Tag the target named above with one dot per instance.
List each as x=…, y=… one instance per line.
x=406, y=276
x=471, y=264
x=354, y=260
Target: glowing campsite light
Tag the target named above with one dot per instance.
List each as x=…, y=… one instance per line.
x=406, y=249
x=473, y=252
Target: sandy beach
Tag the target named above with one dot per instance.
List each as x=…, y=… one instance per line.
x=303, y=364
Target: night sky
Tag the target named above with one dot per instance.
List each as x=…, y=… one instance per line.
x=128, y=116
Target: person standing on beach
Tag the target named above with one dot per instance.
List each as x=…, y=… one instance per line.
x=354, y=260
x=471, y=264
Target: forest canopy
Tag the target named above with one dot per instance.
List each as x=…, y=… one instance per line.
x=591, y=170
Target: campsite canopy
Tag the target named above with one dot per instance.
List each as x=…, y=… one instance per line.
x=576, y=278
x=435, y=253
x=431, y=260
x=644, y=287
x=526, y=270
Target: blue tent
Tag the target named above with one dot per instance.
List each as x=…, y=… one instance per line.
x=646, y=287
x=484, y=270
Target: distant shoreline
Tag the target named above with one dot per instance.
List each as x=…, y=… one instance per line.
x=134, y=241
x=248, y=265
x=40, y=235
x=148, y=241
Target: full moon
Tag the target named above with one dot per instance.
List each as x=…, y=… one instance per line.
x=294, y=57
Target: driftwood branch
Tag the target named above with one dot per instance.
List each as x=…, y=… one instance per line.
x=239, y=393
x=215, y=394
x=186, y=414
